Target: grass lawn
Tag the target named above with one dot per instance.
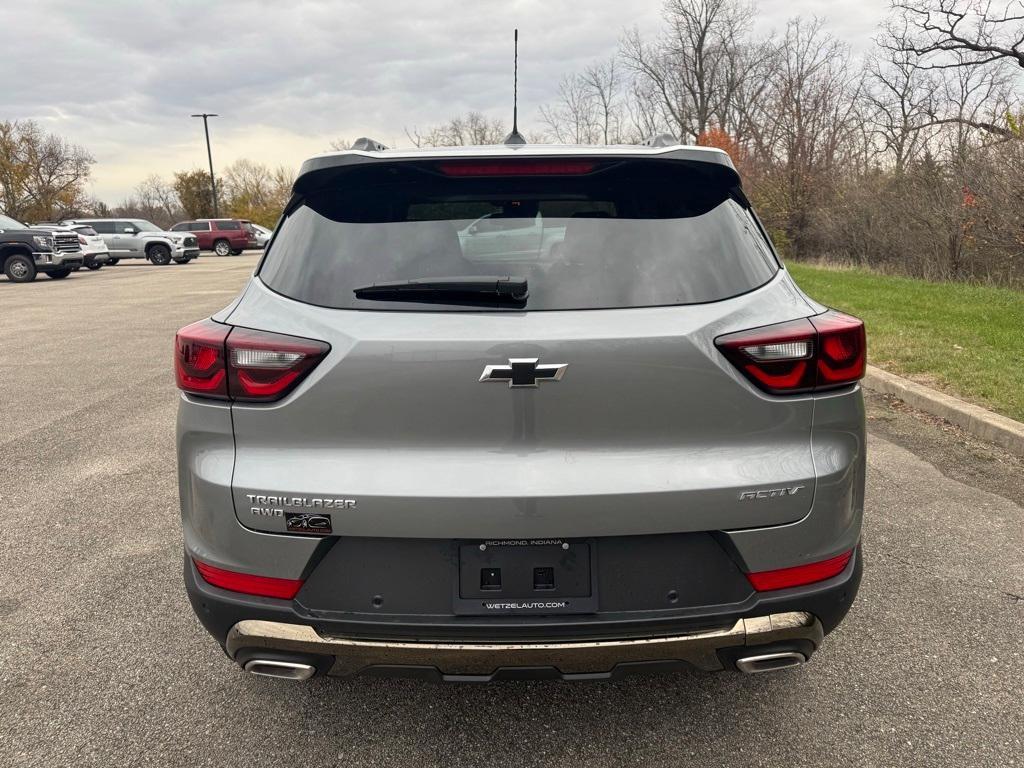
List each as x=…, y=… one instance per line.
x=965, y=339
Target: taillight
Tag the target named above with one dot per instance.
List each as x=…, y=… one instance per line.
x=247, y=583
x=199, y=359
x=805, y=355
x=220, y=361
x=799, y=575
x=517, y=167
x=266, y=366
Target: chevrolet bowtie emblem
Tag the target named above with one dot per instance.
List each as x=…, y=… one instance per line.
x=524, y=372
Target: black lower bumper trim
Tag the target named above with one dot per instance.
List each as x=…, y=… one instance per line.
x=829, y=601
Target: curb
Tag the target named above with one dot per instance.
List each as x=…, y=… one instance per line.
x=974, y=419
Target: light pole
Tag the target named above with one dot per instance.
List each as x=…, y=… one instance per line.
x=209, y=156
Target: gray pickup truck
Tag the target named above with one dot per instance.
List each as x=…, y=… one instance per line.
x=24, y=251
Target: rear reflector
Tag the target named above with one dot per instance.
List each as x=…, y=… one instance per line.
x=799, y=575
x=810, y=354
x=517, y=168
x=219, y=361
x=264, y=586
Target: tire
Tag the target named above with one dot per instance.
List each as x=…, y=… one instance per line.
x=236, y=251
x=222, y=248
x=112, y=262
x=59, y=274
x=94, y=265
x=20, y=268
x=159, y=254
x=183, y=261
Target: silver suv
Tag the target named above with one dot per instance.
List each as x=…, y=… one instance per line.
x=141, y=239
x=405, y=453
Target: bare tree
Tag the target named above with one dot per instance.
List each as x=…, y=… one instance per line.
x=802, y=126
x=604, y=80
x=694, y=66
x=575, y=117
x=901, y=99
x=973, y=31
x=471, y=129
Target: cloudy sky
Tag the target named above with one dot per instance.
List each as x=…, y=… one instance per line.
x=122, y=77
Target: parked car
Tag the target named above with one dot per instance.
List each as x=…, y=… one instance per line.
x=644, y=452
x=94, y=251
x=222, y=236
x=263, y=235
x=26, y=251
x=511, y=235
x=141, y=239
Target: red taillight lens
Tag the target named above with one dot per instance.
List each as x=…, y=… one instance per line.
x=220, y=361
x=247, y=583
x=199, y=360
x=809, y=354
x=267, y=366
x=799, y=575
x=842, y=349
x=517, y=167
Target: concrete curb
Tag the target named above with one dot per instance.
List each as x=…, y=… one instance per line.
x=974, y=419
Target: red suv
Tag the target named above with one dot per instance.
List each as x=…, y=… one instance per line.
x=222, y=236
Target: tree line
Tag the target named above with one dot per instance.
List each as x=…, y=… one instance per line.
x=43, y=177
x=908, y=159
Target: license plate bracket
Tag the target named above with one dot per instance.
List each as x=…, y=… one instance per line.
x=526, y=577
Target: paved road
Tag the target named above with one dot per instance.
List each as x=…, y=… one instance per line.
x=102, y=662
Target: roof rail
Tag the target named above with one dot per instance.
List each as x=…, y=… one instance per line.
x=367, y=145
x=661, y=140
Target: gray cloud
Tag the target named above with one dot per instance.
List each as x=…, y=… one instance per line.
x=122, y=77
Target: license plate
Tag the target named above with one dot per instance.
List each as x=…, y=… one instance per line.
x=526, y=576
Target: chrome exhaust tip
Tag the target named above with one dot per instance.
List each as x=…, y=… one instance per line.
x=283, y=670
x=770, y=662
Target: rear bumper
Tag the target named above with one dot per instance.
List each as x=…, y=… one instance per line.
x=472, y=647
x=798, y=633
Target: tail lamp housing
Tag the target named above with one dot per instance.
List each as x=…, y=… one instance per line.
x=805, y=355
x=224, y=362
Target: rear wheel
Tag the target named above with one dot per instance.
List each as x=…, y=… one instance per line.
x=20, y=269
x=59, y=274
x=222, y=248
x=94, y=265
x=159, y=254
x=112, y=262
x=183, y=261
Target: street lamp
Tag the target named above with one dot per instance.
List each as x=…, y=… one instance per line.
x=209, y=156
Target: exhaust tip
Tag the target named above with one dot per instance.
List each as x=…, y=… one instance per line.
x=283, y=670
x=770, y=662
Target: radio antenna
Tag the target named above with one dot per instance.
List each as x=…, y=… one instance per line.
x=515, y=137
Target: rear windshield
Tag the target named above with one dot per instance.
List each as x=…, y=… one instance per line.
x=627, y=234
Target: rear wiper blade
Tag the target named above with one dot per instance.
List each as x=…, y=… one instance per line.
x=513, y=289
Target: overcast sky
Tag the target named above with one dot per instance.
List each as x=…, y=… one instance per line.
x=121, y=78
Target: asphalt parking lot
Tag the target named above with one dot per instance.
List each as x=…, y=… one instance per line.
x=103, y=663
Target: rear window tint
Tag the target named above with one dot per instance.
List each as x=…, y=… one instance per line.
x=632, y=234
x=230, y=226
